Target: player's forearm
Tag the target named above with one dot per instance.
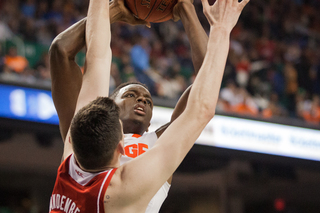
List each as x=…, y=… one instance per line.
x=98, y=35
x=205, y=89
x=66, y=76
x=198, y=42
x=197, y=36
x=70, y=41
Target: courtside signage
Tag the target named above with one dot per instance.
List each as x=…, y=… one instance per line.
x=253, y=136
x=36, y=105
x=27, y=104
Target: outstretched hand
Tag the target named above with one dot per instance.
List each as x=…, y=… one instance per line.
x=125, y=15
x=224, y=13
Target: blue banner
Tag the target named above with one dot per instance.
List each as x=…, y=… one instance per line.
x=27, y=104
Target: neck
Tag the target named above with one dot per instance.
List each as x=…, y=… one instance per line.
x=114, y=163
x=133, y=127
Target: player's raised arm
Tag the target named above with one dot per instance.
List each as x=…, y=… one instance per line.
x=198, y=42
x=95, y=80
x=66, y=75
x=185, y=11
x=143, y=176
x=98, y=57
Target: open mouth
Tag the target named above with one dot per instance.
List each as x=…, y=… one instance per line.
x=139, y=110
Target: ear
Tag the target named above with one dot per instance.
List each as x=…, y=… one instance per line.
x=120, y=147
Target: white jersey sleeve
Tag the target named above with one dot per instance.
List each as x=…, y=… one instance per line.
x=135, y=145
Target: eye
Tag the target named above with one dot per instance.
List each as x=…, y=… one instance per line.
x=149, y=102
x=129, y=95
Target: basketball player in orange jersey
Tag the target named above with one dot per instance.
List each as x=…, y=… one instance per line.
x=92, y=177
x=133, y=99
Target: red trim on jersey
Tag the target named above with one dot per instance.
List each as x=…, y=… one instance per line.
x=105, y=186
x=136, y=136
x=85, y=197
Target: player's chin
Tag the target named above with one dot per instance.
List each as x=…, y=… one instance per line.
x=141, y=118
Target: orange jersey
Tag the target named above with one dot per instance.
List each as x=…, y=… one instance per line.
x=78, y=191
x=135, y=145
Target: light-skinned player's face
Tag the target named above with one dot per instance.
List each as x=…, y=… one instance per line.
x=136, y=106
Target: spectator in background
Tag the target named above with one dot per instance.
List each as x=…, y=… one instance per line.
x=172, y=84
x=55, y=13
x=5, y=32
x=266, y=48
x=269, y=36
x=313, y=115
x=28, y=30
x=43, y=71
x=274, y=109
x=141, y=64
x=28, y=8
x=314, y=74
x=247, y=106
x=14, y=62
x=115, y=78
x=229, y=93
x=243, y=71
x=303, y=103
x=291, y=87
x=129, y=74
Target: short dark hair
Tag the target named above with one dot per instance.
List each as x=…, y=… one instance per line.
x=96, y=132
x=116, y=90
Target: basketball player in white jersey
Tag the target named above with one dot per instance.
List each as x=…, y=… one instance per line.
x=96, y=129
x=136, y=110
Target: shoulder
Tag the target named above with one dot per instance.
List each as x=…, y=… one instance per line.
x=145, y=138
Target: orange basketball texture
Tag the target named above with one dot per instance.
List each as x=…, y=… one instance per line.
x=152, y=10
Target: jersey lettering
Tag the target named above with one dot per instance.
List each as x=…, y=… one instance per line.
x=63, y=203
x=135, y=150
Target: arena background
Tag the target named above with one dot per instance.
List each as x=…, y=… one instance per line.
x=260, y=154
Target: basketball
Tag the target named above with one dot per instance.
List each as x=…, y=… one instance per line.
x=151, y=10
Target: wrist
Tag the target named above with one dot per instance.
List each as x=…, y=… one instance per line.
x=115, y=13
x=183, y=8
x=220, y=31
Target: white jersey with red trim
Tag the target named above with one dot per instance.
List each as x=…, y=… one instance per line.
x=78, y=191
x=135, y=145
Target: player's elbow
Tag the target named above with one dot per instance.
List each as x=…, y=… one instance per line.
x=203, y=112
x=207, y=107
x=208, y=112
x=57, y=48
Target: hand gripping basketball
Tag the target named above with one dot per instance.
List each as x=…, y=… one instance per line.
x=151, y=10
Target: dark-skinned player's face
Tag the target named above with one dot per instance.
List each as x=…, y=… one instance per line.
x=136, y=106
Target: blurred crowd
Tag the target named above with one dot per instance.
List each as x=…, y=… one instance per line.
x=273, y=67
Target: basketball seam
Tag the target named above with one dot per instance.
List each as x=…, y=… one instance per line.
x=150, y=10
x=135, y=6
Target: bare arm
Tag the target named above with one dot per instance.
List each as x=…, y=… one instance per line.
x=142, y=177
x=65, y=73
x=194, y=30
x=98, y=58
x=95, y=79
x=198, y=38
